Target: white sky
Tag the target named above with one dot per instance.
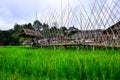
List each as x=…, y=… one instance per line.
x=23, y=11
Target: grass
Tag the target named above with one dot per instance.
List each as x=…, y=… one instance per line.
x=19, y=63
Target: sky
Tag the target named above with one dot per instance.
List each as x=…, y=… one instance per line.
x=24, y=11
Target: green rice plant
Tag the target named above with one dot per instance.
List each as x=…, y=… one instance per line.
x=17, y=62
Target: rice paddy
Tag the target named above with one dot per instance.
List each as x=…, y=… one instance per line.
x=19, y=63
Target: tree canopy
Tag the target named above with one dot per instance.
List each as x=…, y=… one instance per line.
x=10, y=37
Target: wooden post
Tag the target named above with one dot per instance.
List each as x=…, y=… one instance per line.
x=84, y=46
x=78, y=47
x=63, y=47
x=41, y=46
x=93, y=48
x=54, y=47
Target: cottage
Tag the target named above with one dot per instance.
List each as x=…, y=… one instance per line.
x=29, y=33
x=33, y=36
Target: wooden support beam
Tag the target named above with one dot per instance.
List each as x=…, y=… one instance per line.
x=78, y=47
x=63, y=47
x=93, y=48
x=54, y=47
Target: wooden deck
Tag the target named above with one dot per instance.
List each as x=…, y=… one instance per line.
x=80, y=44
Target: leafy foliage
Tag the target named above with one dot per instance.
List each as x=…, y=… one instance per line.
x=11, y=36
x=6, y=38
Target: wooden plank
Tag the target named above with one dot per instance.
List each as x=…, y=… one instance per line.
x=80, y=44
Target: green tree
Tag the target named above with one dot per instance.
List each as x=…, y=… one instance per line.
x=37, y=25
x=63, y=30
x=45, y=30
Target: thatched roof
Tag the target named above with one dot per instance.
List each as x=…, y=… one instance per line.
x=114, y=28
x=72, y=30
x=29, y=33
x=88, y=33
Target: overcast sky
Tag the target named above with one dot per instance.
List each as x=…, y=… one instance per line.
x=24, y=11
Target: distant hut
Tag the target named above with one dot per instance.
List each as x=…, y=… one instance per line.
x=72, y=30
x=114, y=29
x=31, y=34
x=114, y=32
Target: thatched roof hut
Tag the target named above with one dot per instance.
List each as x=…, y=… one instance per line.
x=29, y=33
x=113, y=29
x=72, y=30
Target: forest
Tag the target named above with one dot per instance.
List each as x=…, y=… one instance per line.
x=11, y=36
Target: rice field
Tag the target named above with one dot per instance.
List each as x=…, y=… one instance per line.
x=19, y=63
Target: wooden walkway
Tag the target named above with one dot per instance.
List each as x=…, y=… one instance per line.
x=79, y=44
